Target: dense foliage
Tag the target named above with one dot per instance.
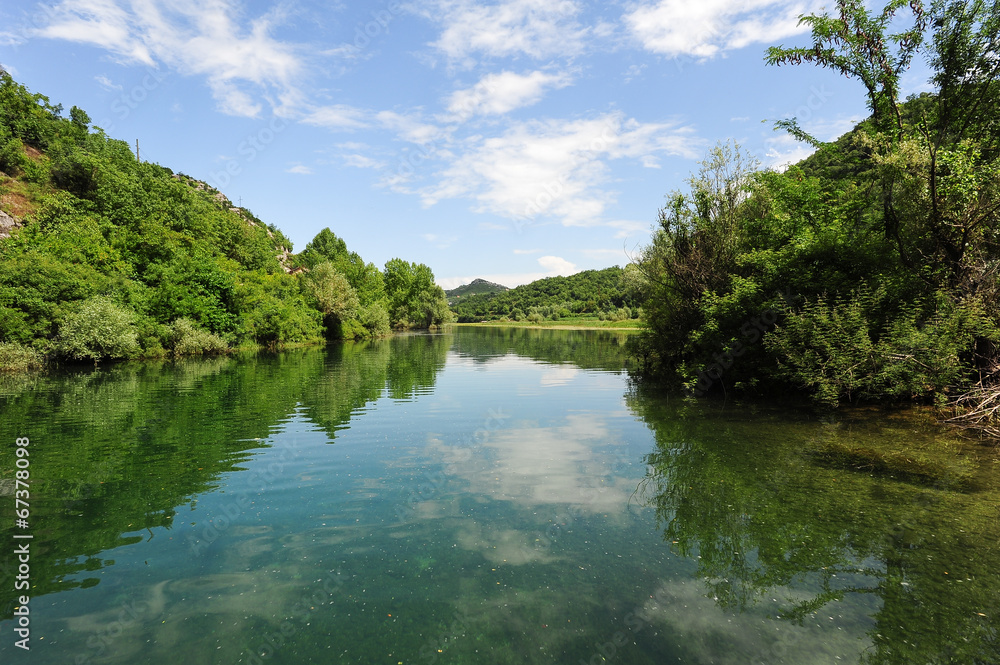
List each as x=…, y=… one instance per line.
x=589, y=292
x=114, y=258
x=868, y=271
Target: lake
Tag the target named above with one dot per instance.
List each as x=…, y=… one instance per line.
x=484, y=496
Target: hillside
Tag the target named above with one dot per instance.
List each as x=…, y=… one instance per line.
x=103, y=256
x=588, y=292
x=473, y=288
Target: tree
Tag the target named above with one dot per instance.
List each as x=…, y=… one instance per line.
x=414, y=299
x=857, y=44
x=333, y=295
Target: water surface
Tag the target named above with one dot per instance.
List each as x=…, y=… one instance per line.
x=485, y=496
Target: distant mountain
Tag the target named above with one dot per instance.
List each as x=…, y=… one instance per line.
x=474, y=288
x=587, y=292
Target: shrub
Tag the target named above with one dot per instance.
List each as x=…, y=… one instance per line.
x=100, y=329
x=375, y=319
x=16, y=357
x=187, y=339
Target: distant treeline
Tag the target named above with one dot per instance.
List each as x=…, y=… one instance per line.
x=103, y=256
x=595, y=292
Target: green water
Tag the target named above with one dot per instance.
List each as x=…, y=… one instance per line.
x=484, y=496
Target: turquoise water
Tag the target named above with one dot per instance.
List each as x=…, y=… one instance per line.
x=484, y=496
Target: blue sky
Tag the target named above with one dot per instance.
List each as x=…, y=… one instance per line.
x=509, y=140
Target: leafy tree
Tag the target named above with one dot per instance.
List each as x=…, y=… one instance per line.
x=415, y=301
x=333, y=296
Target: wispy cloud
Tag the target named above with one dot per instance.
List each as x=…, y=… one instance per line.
x=336, y=116
x=707, y=28
x=536, y=28
x=107, y=83
x=439, y=241
x=242, y=63
x=299, y=169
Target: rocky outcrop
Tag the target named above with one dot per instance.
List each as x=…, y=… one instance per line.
x=7, y=224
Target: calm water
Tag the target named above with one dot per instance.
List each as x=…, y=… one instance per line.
x=484, y=496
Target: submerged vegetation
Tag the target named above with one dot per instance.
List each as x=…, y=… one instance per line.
x=103, y=257
x=869, y=271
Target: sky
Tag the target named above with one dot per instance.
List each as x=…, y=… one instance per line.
x=507, y=140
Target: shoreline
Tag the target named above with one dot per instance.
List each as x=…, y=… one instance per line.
x=550, y=325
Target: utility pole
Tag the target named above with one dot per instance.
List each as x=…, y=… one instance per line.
x=137, y=151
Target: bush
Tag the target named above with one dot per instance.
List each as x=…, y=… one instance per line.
x=187, y=339
x=16, y=357
x=375, y=319
x=100, y=329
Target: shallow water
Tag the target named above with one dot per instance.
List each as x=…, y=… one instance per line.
x=484, y=496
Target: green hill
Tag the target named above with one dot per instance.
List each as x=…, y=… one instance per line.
x=588, y=292
x=473, y=288
x=104, y=256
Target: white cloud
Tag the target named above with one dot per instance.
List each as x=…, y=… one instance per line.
x=556, y=265
x=634, y=72
x=337, y=116
x=300, y=170
x=537, y=28
x=707, y=28
x=497, y=94
x=242, y=63
x=527, y=251
x=556, y=168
